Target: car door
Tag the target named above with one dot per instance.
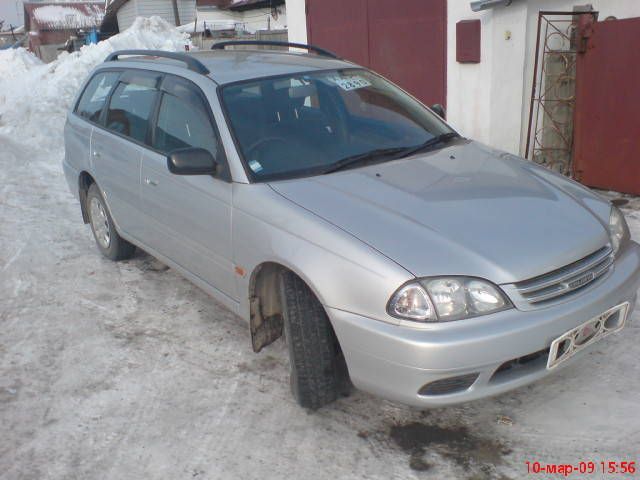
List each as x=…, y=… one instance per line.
x=188, y=218
x=117, y=145
x=86, y=114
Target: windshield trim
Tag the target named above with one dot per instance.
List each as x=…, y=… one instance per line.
x=309, y=172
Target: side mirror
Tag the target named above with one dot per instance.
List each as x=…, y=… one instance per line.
x=192, y=161
x=438, y=110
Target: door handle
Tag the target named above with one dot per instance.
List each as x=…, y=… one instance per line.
x=153, y=183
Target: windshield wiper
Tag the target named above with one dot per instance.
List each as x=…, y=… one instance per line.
x=363, y=158
x=393, y=153
x=432, y=142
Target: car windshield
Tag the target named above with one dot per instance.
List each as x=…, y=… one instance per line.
x=313, y=123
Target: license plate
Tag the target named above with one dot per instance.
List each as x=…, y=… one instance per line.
x=576, y=339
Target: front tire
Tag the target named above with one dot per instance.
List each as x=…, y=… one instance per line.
x=318, y=369
x=110, y=244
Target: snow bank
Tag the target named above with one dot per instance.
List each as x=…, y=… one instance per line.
x=16, y=62
x=35, y=97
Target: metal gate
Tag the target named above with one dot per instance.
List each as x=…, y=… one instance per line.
x=560, y=38
x=404, y=41
x=606, y=151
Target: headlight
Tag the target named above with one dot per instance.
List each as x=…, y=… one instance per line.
x=446, y=298
x=618, y=229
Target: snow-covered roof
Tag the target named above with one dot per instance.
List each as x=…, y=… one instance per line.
x=63, y=16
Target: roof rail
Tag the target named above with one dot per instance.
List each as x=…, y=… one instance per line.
x=274, y=43
x=192, y=63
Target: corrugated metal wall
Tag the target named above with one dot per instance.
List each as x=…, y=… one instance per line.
x=187, y=11
x=126, y=15
x=606, y=148
x=405, y=41
x=162, y=8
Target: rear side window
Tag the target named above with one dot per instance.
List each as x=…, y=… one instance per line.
x=95, y=94
x=183, y=120
x=131, y=105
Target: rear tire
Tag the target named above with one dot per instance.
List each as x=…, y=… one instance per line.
x=110, y=244
x=318, y=369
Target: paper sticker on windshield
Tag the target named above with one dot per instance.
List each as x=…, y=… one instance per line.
x=349, y=82
x=255, y=166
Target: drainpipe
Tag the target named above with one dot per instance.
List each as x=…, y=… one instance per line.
x=176, y=15
x=479, y=5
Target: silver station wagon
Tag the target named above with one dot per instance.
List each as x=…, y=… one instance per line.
x=322, y=203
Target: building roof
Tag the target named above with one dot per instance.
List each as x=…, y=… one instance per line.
x=63, y=16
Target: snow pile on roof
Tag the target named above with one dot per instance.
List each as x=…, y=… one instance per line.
x=69, y=16
x=35, y=97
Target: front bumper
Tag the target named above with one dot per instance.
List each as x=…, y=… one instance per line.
x=395, y=362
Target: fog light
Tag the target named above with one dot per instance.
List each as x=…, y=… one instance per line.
x=449, y=385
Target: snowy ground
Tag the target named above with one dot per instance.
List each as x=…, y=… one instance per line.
x=125, y=370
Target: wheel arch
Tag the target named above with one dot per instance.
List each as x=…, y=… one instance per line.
x=265, y=303
x=85, y=180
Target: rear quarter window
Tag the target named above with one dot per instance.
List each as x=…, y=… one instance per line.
x=131, y=106
x=95, y=94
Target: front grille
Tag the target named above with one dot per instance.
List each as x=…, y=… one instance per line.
x=567, y=279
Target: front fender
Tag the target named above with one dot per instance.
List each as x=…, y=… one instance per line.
x=342, y=271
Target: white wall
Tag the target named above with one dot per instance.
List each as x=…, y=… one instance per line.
x=485, y=100
x=297, y=21
x=468, y=85
x=490, y=101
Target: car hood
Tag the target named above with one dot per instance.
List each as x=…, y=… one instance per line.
x=462, y=210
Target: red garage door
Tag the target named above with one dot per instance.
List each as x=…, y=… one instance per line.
x=606, y=149
x=405, y=40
